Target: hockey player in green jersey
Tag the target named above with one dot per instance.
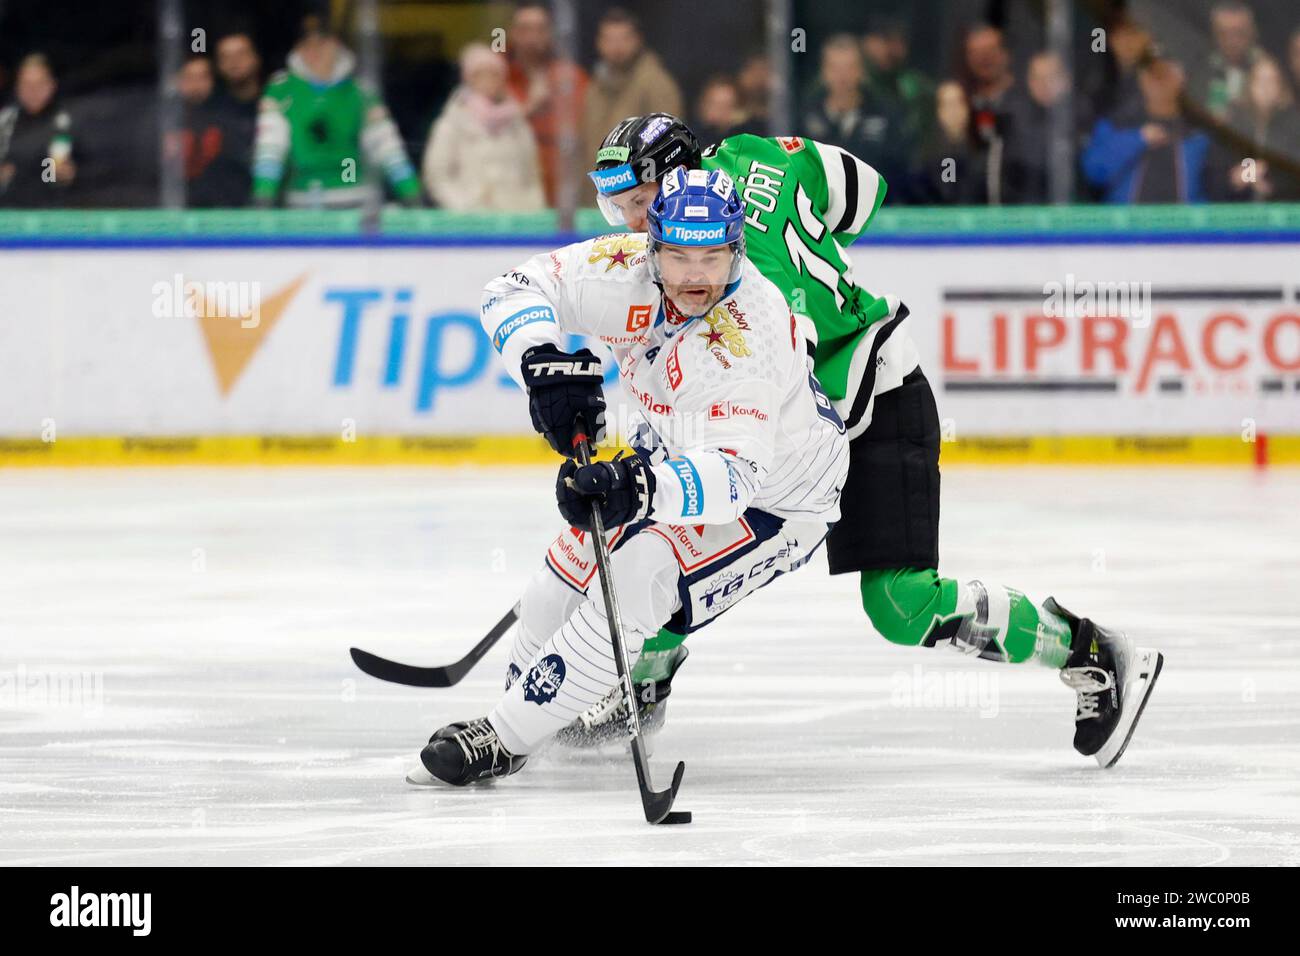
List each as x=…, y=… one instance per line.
x=320, y=132
x=805, y=202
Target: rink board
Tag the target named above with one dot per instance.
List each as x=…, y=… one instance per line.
x=372, y=353
x=512, y=450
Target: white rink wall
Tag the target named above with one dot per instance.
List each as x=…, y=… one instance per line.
x=105, y=341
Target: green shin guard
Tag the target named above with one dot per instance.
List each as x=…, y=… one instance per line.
x=915, y=606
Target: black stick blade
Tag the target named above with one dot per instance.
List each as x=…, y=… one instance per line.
x=658, y=805
x=396, y=672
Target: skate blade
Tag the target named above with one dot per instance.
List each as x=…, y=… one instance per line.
x=419, y=777
x=1147, y=663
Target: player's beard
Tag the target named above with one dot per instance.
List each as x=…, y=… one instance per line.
x=690, y=304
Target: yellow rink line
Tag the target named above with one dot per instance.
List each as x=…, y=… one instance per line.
x=531, y=450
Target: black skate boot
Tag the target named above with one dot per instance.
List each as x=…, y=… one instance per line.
x=1113, y=680
x=605, y=721
x=463, y=753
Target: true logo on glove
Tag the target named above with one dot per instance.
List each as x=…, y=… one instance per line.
x=565, y=368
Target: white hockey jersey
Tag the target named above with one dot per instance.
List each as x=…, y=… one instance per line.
x=728, y=408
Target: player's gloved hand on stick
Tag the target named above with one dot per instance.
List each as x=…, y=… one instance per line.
x=623, y=488
x=564, y=392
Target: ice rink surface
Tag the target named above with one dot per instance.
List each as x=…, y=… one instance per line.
x=175, y=686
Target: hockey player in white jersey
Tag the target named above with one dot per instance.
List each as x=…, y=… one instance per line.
x=738, y=464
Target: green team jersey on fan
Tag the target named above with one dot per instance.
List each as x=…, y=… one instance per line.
x=319, y=140
x=804, y=202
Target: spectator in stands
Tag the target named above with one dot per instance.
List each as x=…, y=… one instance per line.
x=754, y=83
x=953, y=165
x=481, y=154
x=988, y=80
x=37, y=168
x=990, y=85
x=1221, y=80
x=849, y=115
x=1026, y=158
x=320, y=133
x=628, y=80
x=240, y=67
x=1266, y=119
x=1129, y=45
x=717, y=110
x=551, y=91
x=210, y=142
x=1160, y=159
x=886, y=48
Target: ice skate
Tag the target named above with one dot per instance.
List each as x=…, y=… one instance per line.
x=1113, y=680
x=605, y=721
x=463, y=753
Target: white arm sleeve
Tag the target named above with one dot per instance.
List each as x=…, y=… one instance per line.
x=853, y=190
x=527, y=306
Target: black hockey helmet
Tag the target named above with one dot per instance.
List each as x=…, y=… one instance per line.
x=641, y=149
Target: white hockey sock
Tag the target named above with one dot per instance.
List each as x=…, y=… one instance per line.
x=569, y=673
x=544, y=606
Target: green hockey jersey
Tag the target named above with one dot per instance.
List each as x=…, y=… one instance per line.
x=804, y=202
x=319, y=140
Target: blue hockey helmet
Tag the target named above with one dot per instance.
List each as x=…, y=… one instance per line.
x=697, y=207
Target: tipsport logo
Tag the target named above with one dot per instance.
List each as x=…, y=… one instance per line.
x=518, y=321
x=382, y=334
x=692, y=489
x=688, y=234
x=614, y=180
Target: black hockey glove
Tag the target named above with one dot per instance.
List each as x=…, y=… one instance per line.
x=565, y=396
x=623, y=488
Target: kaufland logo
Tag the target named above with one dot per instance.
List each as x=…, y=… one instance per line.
x=695, y=234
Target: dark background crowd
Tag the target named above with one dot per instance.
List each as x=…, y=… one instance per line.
x=475, y=106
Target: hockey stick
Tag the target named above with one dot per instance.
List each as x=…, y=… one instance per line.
x=658, y=805
x=399, y=673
